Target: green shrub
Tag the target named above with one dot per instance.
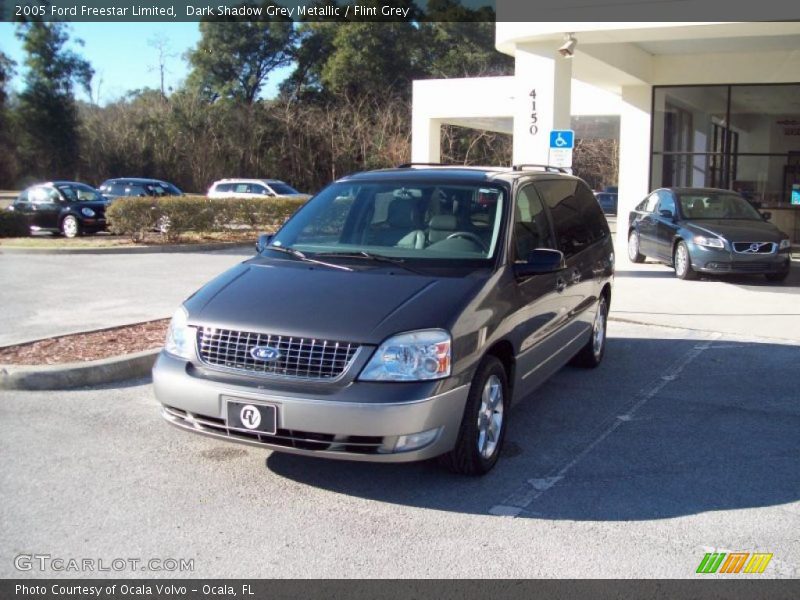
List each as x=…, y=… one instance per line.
x=176, y=215
x=13, y=224
x=133, y=217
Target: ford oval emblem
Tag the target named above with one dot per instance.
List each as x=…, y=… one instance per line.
x=265, y=353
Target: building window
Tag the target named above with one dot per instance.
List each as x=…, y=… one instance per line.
x=739, y=137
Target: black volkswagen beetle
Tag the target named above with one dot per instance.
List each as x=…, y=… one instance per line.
x=66, y=207
x=707, y=230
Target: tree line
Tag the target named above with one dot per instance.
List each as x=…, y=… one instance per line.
x=345, y=106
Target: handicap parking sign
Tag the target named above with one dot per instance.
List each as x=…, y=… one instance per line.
x=563, y=139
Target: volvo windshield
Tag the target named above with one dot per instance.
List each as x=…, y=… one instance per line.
x=717, y=206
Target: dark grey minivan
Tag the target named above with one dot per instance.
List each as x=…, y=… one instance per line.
x=396, y=317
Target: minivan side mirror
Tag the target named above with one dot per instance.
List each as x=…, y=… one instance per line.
x=767, y=215
x=263, y=241
x=540, y=260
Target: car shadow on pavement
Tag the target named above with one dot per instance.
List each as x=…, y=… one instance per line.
x=791, y=285
x=664, y=428
x=665, y=274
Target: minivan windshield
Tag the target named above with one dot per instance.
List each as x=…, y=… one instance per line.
x=410, y=222
x=717, y=206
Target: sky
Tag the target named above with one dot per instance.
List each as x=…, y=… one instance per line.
x=124, y=58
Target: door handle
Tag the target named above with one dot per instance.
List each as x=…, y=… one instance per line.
x=561, y=284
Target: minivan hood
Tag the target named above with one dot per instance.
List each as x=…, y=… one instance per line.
x=738, y=230
x=303, y=300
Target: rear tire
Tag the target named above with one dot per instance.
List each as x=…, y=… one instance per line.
x=682, y=262
x=591, y=355
x=633, y=248
x=483, y=426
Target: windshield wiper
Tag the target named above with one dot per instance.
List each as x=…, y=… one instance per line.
x=397, y=262
x=300, y=256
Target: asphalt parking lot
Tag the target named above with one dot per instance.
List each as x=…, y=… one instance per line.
x=48, y=295
x=682, y=442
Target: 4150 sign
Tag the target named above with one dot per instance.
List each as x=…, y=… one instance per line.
x=534, y=128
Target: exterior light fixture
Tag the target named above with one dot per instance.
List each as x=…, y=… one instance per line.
x=568, y=48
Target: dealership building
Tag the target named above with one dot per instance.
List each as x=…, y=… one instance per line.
x=697, y=104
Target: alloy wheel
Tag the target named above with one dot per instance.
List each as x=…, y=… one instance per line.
x=490, y=417
x=599, y=328
x=70, y=227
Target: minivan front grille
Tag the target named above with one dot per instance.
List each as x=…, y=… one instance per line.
x=274, y=355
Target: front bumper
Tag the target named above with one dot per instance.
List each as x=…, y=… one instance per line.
x=93, y=224
x=721, y=261
x=313, y=423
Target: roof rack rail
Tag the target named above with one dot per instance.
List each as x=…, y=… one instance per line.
x=408, y=165
x=547, y=168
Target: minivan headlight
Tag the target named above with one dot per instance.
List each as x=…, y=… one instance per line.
x=785, y=243
x=708, y=242
x=180, y=337
x=87, y=212
x=413, y=356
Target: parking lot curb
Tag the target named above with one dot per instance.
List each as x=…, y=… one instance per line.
x=80, y=374
x=165, y=249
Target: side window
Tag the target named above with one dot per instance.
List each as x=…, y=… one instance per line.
x=241, y=188
x=575, y=220
x=531, y=227
x=23, y=197
x=136, y=190
x=43, y=195
x=650, y=205
x=666, y=202
x=593, y=215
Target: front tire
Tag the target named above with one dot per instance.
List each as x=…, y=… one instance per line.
x=633, y=248
x=483, y=426
x=70, y=226
x=682, y=262
x=591, y=355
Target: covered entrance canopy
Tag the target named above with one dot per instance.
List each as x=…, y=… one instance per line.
x=698, y=103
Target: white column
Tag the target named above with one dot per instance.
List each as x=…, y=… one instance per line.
x=426, y=138
x=542, y=70
x=634, y=157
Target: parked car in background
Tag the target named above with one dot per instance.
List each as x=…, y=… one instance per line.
x=607, y=201
x=250, y=188
x=66, y=207
x=706, y=230
x=395, y=317
x=138, y=187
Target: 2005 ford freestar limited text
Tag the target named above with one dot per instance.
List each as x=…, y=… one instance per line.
x=396, y=317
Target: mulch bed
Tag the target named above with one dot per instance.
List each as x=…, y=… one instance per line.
x=81, y=347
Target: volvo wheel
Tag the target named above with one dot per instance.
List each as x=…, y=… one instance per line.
x=683, y=262
x=633, y=247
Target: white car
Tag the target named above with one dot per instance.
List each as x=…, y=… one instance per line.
x=250, y=188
